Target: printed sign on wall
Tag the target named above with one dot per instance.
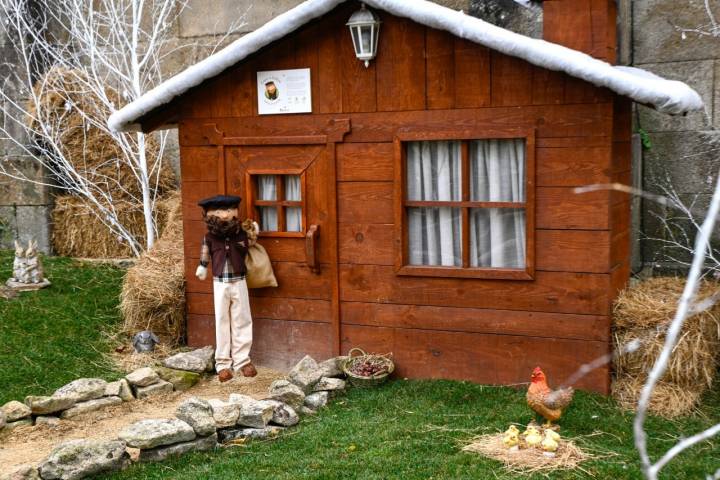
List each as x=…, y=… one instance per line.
x=284, y=91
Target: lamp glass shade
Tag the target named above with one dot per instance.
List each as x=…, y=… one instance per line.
x=365, y=30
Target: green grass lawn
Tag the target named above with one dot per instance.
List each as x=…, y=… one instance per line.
x=415, y=429
x=55, y=335
x=403, y=430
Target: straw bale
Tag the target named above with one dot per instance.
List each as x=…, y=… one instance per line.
x=668, y=399
x=693, y=361
x=643, y=312
x=153, y=292
x=528, y=460
x=95, y=154
x=78, y=232
x=653, y=302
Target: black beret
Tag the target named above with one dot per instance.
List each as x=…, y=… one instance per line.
x=220, y=201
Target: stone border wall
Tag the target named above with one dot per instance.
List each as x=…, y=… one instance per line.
x=199, y=425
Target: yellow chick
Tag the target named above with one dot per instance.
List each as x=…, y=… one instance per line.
x=552, y=434
x=532, y=437
x=550, y=443
x=511, y=438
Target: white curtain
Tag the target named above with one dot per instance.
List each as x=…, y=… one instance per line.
x=267, y=190
x=293, y=215
x=433, y=174
x=497, y=174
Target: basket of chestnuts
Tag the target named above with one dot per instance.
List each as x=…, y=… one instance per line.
x=367, y=370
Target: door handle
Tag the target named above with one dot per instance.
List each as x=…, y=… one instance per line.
x=312, y=238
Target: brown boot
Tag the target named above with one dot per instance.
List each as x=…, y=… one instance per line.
x=248, y=370
x=225, y=375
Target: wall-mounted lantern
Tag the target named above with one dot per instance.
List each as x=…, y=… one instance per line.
x=365, y=29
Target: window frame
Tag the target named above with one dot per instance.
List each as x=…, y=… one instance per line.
x=401, y=203
x=280, y=205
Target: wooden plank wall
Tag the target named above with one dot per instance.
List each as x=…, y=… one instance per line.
x=482, y=330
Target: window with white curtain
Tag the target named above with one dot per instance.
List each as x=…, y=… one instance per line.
x=465, y=205
x=278, y=202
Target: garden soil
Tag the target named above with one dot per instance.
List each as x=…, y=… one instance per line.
x=31, y=445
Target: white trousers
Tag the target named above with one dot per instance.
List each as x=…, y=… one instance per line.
x=233, y=325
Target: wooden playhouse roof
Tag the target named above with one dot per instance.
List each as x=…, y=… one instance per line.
x=668, y=96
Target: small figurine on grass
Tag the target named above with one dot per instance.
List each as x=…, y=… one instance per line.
x=224, y=248
x=28, y=271
x=145, y=341
x=546, y=402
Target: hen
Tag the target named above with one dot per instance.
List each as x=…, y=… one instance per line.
x=545, y=402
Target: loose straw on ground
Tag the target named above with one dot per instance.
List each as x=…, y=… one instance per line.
x=528, y=460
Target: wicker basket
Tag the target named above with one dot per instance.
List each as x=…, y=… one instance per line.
x=374, y=380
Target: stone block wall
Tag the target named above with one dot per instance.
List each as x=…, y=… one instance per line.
x=24, y=207
x=684, y=152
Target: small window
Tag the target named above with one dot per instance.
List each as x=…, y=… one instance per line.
x=278, y=203
x=465, y=209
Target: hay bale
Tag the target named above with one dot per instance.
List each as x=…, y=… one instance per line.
x=693, y=361
x=643, y=312
x=653, y=302
x=667, y=400
x=528, y=460
x=153, y=291
x=65, y=101
x=78, y=232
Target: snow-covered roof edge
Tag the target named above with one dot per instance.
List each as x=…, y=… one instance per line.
x=668, y=96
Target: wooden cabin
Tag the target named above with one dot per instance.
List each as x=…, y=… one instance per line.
x=426, y=204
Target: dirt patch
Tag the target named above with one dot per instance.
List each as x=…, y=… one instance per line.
x=30, y=445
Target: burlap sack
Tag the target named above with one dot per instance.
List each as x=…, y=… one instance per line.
x=259, y=269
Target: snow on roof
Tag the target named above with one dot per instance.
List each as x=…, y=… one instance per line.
x=668, y=96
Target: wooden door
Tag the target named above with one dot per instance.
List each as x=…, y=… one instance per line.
x=297, y=317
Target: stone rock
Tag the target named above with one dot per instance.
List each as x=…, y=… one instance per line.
x=3, y=419
x=83, y=389
x=142, y=377
x=48, y=420
x=153, y=433
x=181, y=379
x=283, y=414
x=255, y=414
x=197, y=413
x=233, y=434
x=155, y=389
x=45, y=405
x=317, y=400
x=120, y=388
x=225, y=413
x=286, y=392
x=332, y=367
x=25, y=422
x=198, y=361
x=335, y=385
x=160, y=454
x=240, y=399
x=15, y=410
x=305, y=374
x=24, y=472
x=90, y=406
x=307, y=411
x=77, y=459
